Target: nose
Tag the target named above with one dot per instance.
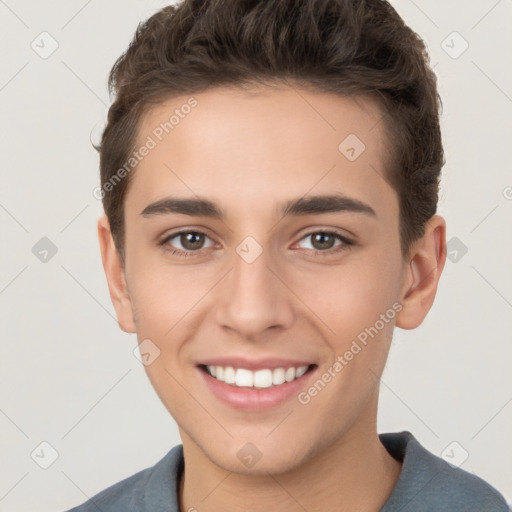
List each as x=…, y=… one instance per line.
x=254, y=298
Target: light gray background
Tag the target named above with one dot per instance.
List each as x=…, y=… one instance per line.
x=68, y=373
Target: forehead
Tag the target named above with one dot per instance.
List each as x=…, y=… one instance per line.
x=257, y=146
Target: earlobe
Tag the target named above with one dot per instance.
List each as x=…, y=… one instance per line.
x=116, y=279
x=422, y=274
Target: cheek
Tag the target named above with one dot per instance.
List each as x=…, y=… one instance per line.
x=161, y=296
x=350, y=298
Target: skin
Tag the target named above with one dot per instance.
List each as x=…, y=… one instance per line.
x=248, y=151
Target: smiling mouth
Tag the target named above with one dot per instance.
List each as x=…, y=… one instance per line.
x=259, y=379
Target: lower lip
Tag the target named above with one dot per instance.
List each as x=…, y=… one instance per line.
x=255, y=399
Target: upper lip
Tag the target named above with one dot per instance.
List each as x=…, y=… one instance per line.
x=255, y=364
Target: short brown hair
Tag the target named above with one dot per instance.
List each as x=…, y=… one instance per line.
x=345, y=47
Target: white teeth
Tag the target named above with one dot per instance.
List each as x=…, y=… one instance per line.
x=299, y=372
x=290, y=374
x=244, y=378
x=263, y=379
x=278, y=376
x=229, y=375
x=259, y=379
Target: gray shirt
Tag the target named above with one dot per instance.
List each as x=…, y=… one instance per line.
x=426, y=483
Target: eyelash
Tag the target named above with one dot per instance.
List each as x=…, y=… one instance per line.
x=180, y=253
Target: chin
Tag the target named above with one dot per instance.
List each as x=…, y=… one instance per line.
x=268, y=465
x=256, y=459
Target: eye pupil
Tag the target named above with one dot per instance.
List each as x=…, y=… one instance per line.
x=321, y=237
x=192, y=240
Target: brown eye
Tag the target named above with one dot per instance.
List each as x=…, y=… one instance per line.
x=324, y=241
x=191, y=240
x=186, y=243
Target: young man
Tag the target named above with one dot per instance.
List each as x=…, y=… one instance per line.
x=270, y=175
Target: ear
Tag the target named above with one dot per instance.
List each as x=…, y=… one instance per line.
x=423, y=270
x=116, y=278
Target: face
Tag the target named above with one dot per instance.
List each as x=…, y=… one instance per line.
x=263, y=269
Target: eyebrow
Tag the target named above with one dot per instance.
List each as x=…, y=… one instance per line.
x=313, y=205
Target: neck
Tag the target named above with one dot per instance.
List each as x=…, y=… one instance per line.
x=356, y=473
